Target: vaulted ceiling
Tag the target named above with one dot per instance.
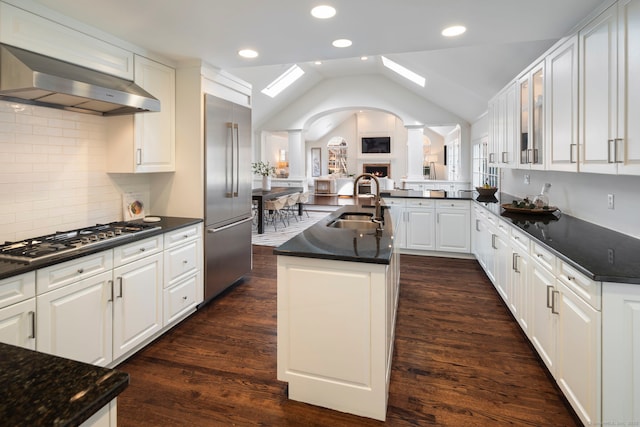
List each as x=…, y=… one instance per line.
x=462, y=73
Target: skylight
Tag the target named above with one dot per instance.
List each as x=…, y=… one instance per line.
x=404, y=72
x=283, y=82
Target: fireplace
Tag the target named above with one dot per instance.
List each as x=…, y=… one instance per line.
x=378, y=169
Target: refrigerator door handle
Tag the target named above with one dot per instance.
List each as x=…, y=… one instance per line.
x=228, y=144
x=216, y=230
x=237, y=163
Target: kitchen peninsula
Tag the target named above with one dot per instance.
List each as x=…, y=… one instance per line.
x=337, y=300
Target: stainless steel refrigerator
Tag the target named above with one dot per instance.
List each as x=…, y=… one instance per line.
x=227, y=248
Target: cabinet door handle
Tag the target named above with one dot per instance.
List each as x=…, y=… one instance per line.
x=477, y=225
x=120, y=287
x=503, y=157
x=32, y=318
x=553, y=302
x=493, y=241
x=572, y=148
x=139, y=156
x=549, y=303
x=615, y=150
x=111, y=291
x=514, y=262
x=609, y=143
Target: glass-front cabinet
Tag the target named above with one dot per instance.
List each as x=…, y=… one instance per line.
x=531, y=123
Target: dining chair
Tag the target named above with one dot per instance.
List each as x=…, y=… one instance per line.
x=274, y=211
x=291, y=207
x=303, y=200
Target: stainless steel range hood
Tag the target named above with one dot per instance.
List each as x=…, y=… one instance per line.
x=31, y=78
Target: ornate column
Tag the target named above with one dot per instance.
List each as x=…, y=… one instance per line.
x=415, y=138
x=296, y=154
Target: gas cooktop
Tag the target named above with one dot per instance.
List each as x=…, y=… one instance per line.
x=64, y=242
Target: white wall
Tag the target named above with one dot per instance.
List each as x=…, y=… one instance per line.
x=53, y=172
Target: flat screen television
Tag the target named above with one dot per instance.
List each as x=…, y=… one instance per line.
x=377, y=144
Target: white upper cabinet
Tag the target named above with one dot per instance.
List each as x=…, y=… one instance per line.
x=561, y=107
x=609, y=91
x=531, y=120
x=502, y=128
x=32, y=32
x=145, y=142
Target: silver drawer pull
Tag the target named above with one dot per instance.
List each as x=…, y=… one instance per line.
x=80, y=270
x=571, y=278
x=184, y=298
x=540, y=255
x=186, y=236
x=142, y=249
x=185, y=261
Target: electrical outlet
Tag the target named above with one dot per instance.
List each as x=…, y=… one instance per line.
x=610, y=256
x=527, y=179
x=610, y=201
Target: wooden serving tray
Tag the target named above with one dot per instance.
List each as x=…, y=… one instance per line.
x=510, y=208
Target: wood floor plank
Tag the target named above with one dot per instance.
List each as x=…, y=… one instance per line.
x=459, y=360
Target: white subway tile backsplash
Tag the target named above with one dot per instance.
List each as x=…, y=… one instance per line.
x=53, y=172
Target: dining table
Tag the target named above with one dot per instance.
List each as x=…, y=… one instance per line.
x=260, y=195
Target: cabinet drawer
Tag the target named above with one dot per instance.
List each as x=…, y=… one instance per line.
x=133, y=251
x=59, y=275
x=452, y=204
x=420, y=203
x=520, y=239
x=17, y=288
x=394, y=202
x=543, y=257
x=181, y=260
x=586, y=288
x=181, y=298
x=182, y=235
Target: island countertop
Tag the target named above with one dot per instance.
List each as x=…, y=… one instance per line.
x=340, y=244
x=41, y=389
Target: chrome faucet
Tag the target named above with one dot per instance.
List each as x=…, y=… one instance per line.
x=378, y=215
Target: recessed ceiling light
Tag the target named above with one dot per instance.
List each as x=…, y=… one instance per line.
x=283, y=81
x=323, y=12
x=318, y=62
x=453, y=31
x=341, y=43
x=248, y=53
x=364, y=58
x=404, y=72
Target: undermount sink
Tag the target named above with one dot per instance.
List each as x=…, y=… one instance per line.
x=354, y=221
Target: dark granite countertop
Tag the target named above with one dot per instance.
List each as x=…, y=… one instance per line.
x=598, y=252
x=8, y=268
x=426, y=194
x=340, y=244
x=44, y=390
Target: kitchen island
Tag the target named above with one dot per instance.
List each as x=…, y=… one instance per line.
x=337, y=300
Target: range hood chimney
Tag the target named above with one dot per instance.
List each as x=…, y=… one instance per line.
x=31, y=78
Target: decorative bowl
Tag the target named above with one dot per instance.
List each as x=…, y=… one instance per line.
x=486, y=191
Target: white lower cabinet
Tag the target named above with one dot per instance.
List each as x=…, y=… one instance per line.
x=430, y=225
x=419, y=225
x=101, y=308
x=620, y=354
x=518, y=286
x=75, y=321
x=557, y=307
x=17, y=324
x=453, y=233
x=137, y=307
x=17, y=310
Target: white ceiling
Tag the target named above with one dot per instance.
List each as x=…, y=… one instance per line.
x=502, y=38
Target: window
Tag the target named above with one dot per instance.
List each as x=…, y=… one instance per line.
x=337, y=148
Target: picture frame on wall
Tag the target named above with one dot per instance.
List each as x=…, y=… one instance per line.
x=316, y=161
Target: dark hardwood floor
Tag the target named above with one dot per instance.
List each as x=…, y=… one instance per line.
x=459, y=360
